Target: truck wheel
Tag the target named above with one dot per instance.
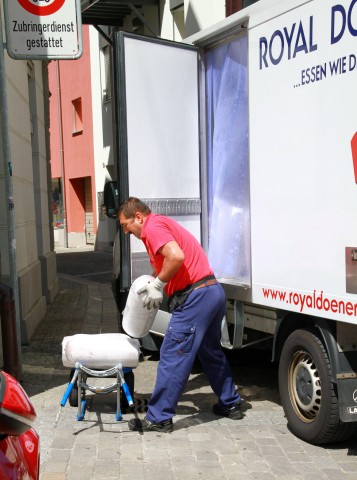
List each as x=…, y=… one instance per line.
x=307, y=391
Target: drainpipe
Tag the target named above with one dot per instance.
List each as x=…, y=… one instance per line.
x=60, y=128
x=13, y=322
x=48, y=157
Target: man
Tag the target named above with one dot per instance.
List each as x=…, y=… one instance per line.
x=197, y=303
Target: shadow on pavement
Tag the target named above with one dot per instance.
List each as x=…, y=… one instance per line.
x=95, y=266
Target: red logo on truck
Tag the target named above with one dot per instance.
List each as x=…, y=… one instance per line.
x=354, y=154
x=41, y=7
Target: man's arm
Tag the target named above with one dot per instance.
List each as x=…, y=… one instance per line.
x=173, y=259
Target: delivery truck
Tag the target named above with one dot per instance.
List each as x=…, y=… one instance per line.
x=246, y=135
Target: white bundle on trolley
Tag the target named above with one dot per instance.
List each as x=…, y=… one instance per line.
x=100, y=351
x=108, y=354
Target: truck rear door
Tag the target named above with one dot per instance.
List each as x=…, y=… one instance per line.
x=158, y=136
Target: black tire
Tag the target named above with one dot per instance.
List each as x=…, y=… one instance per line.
x=307, y=391
x=73, y=396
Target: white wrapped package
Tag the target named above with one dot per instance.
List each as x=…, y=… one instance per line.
x=137, y=319
x=101, y=351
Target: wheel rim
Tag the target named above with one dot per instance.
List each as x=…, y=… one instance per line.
x=304, y=386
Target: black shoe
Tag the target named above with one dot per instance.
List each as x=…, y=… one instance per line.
x=147, y=426
x=233, y=412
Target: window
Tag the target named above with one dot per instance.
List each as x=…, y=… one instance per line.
x=107, y=92
x=233, y=6
x=77, y=116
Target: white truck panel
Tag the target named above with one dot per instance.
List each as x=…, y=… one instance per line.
x=300, y=152
x=162, y=126
x=162, y=134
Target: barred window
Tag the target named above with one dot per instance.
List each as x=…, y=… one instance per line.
x=107, y=93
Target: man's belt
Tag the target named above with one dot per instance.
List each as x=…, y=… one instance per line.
x=178, y=298
x=213, y=281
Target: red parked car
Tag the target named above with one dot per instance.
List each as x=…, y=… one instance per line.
x=19, y=443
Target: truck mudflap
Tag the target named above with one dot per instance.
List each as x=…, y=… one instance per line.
x=347, y=394
x=343, y=356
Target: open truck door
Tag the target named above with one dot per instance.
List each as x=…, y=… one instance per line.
x=182, y=147
x=156, y=86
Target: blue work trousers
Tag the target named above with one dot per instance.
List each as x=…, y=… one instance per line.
x=194, y=329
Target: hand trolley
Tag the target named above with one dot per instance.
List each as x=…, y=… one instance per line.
x=78, y=385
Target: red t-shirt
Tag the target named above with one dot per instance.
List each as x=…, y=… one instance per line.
x=159, y=230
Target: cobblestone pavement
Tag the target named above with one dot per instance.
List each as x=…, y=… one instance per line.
x=202, y=446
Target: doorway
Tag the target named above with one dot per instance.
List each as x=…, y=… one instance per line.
x=88, y=211
x=226, y=86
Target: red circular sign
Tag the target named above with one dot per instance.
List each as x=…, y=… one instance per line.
x=34, y=7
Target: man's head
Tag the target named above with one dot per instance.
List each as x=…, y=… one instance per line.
x=132, y=214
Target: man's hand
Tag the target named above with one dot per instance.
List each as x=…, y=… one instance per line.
x=154, y=294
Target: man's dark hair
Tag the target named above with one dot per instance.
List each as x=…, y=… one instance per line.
x=132, y=205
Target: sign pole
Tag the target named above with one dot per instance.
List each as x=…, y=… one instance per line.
x=10, y=210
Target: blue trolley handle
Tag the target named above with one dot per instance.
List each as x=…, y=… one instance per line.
x=125, y=386
x=127, y=393
x=69, y=388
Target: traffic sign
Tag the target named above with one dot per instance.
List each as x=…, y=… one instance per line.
x=43, y=29
x=37, y=8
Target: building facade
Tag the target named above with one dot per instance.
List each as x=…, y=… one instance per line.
x=27, y=259
x=81, y=108
x=72, y=155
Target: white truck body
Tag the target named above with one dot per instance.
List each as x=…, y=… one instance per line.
x=300, y=149
x=258, y=160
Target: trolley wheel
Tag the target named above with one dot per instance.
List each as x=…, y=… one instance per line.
x=130, y=381
x=73, y=397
